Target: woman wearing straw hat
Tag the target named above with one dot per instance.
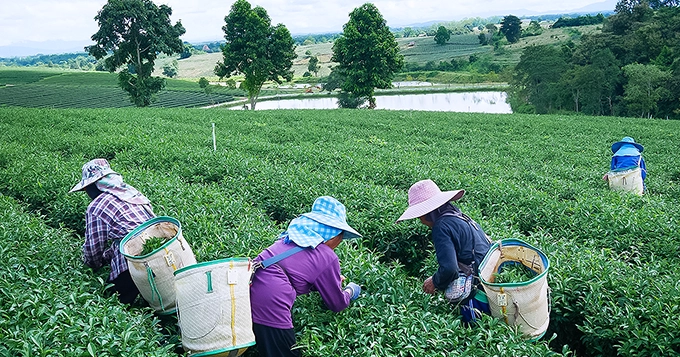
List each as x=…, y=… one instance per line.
x=627, y=154
x=315, y=267
x=116, y=209
x=459, y=242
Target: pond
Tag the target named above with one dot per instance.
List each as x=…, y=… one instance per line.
x=474, y=102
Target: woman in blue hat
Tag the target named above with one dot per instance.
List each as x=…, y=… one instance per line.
x=627, y=155
x=312, y=238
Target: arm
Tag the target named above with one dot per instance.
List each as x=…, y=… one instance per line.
x=643, y=167
x=328, y=284
x=96, y=233
x=446, y=257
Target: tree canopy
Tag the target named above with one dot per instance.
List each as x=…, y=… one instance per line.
x=511, y=27
x=367, y=54
x=134, y=32
x=313, y=65
x=442, y=36
x=255, y=48
x=631, y=68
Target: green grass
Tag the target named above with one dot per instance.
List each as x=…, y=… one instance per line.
x=613, y=256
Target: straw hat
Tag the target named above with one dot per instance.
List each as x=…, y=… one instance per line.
x=626, y=140
x=425, y=196
x=329, y=211
x=93, y=171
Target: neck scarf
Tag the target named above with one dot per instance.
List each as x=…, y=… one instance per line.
x=113, y=184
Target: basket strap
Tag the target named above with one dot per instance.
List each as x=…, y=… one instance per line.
x=152, y=282
x=517, y=312
x=277, y=258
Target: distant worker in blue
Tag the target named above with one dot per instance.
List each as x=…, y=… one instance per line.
x=627, y=170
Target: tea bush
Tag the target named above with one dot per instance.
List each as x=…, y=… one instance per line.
x=537, y=178
x=51, y=305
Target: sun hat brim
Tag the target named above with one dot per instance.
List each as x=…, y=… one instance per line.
x=84, y=183
x=617, y=145
x=333, y=222
x=431, y=204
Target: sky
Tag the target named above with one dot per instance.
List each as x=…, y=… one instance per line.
x=64, y=23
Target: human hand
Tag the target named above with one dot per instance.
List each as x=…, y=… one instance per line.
x=428, y=286
x=605, y=177
x=354, y=291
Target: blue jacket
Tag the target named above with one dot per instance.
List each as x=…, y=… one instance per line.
x=628, y=157
x=455, y=240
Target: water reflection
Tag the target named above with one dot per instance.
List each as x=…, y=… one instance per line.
x=477, y=102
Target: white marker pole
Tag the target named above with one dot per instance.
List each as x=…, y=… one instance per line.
x=214, y=142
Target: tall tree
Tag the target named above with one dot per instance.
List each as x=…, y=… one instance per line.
x=442, y=36
x=255, y=48
x=537, y=77
x=135, y=32
x=644, y=88
x=511, y=27
x=313, y=65
x=367, y=54
x=593, y=82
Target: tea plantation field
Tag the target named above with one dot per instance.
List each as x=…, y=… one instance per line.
x=615, y=259
x=48, y=88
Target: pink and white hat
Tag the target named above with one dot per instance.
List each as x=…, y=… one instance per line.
x=425, y=196
x=93, y=171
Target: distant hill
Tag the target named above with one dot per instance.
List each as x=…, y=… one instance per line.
x=33, y=48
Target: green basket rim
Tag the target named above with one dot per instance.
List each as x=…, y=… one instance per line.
x=212, y=262
x=524, y=283
x=137, y=231
x=222, y=350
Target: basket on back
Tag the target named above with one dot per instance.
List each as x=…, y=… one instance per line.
x=628, y=180
x=524, y=304
x=213, y=307
x=153, y=273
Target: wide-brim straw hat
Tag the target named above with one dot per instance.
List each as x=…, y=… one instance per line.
x=425, y=196
x=329, y=211
x=93, y=171
x=626, y=140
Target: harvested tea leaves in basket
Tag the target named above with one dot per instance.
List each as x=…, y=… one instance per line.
x=153, y=243
x=513, y=273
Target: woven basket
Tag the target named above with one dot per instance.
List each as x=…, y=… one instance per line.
x=523, y=304
x=213, y=307
x=626, y=180
x=153, y=273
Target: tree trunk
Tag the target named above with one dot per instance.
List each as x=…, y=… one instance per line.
x=371, y=102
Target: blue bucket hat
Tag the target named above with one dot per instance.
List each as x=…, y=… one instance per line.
x=327, y=219
x=329, y=211
x=626, y=141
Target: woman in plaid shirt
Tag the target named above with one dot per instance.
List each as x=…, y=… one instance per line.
x=116, y=209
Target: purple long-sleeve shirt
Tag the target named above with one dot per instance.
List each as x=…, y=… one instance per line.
x=275, y=288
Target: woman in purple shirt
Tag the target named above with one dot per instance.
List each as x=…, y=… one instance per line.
x=315, y=267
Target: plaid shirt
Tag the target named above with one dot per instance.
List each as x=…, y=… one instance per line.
x=108, y=220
